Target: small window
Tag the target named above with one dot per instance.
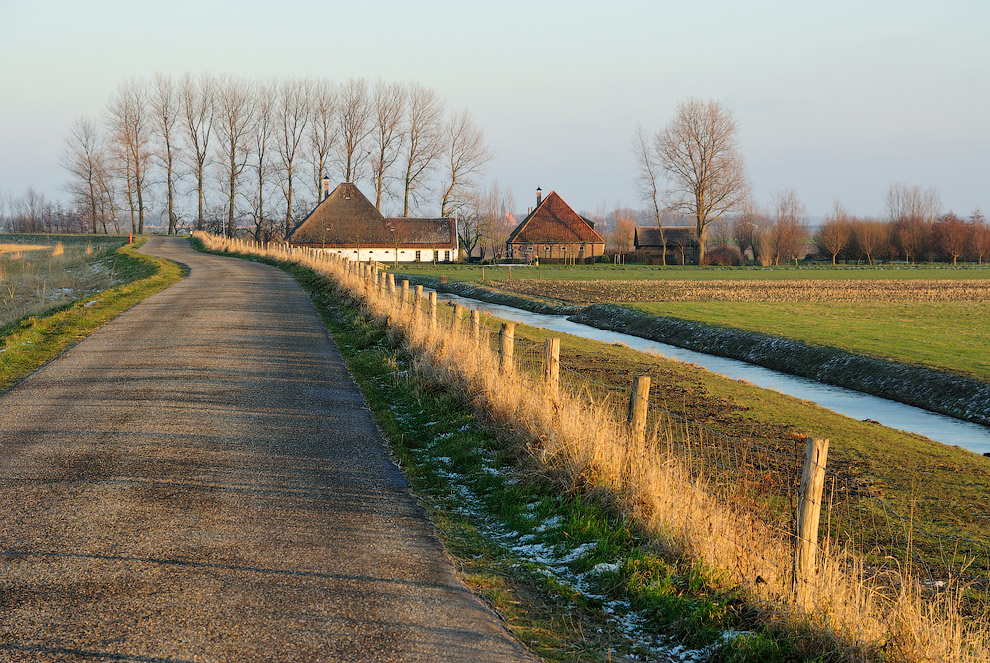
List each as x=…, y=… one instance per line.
x=546, y=249
x=419, y=256
x=563, y=249
x=446, y=256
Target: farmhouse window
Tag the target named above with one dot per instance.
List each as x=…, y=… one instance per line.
x=563, y=249
x=546, y=249
x=419, y=256
x=446, y=256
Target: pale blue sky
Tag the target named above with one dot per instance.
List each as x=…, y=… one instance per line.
x=837, y=99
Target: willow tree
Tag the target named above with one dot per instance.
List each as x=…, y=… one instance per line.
x=698, y=151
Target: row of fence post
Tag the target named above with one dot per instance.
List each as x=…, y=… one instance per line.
x=809, y=502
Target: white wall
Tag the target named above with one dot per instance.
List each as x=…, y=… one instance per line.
x=388, y=255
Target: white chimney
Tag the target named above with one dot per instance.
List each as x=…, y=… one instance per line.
x=539, y=196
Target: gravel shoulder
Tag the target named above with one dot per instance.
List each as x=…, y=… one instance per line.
x=201, y=480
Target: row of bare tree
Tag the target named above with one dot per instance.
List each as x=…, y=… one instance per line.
x=33, y=212
x=209, y=150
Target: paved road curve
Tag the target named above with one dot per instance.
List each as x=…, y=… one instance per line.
x=200, y=480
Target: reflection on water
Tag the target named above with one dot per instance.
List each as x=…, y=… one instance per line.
x=855, y=404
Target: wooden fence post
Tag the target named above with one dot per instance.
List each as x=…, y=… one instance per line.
x=417, y=295
x=405, y=294
x=639, y=399
x=809, y=511
x=391, y=284
x=551, y=366
x=476, y=326
x=433, y=309
x=455, y=319
x=506, y=346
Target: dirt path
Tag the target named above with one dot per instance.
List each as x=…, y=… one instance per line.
x=200, y=480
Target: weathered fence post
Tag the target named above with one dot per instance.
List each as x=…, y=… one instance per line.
x=476, y=326
x=639, y=399
x=551, y=366
x=506, y=346
x=405, y=294
x=417, y=295
x=391, y=284
x=433, y=310
x=809, y=511
x=456, y=317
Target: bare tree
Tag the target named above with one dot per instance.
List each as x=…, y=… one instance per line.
x=353, y=127
x=955, y=236
x=466, y=155
x=166, y=109
x=699, y=154
x=233, y=132
x=423, y=144
x=292, y=114
x=836, y=231
x=84, y=157
x=789, y=225
x=469, y=224
x=746, y=227
x=322, y=128
x=649, y=172
x=495, y=220
x=262, y=134
x=913, y=211
x=870, y=236
x=198, y=107
x=389, y=109
x=981, y=235
x=131, y=130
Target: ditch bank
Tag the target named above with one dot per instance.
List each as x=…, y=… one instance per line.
x=953, y=395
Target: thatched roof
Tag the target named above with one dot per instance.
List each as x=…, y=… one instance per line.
x=347, y=218
x=649, y=236
x=554, y=222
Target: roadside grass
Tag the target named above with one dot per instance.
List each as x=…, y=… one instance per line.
x=573, y=578
x=477, y=273
x=948, y=336
x=31, y=341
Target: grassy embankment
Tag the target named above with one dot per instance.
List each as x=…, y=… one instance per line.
x=123, y=278
x=611, y=363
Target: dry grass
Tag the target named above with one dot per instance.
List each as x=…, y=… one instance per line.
x=848, y=291
x=37, y=278
x=854, y=614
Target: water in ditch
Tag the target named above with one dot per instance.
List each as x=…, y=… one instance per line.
x=855, y=404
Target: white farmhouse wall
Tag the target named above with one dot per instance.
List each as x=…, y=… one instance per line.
x=388, y=255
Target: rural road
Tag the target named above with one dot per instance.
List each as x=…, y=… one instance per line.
x=200, y=480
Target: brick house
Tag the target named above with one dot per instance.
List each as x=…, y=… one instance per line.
x=554, y=233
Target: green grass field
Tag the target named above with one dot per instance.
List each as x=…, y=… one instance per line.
x=953, y=336
x=461, y=272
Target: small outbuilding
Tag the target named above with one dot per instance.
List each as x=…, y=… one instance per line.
x=554, y=233
x=347, y=223
x=681, y=244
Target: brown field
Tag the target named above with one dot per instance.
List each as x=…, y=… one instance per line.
x=842, y=291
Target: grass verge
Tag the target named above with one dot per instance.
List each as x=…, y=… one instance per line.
x=573, y=578
x=32, y=341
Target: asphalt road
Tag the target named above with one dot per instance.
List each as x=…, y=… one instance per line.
x=201, y=480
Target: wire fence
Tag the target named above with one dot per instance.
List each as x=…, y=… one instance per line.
x=758, y=480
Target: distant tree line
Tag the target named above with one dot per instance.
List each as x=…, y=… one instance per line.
x=33, y=212
x=219, y=152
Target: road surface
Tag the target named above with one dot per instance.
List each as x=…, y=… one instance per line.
x=201, y=480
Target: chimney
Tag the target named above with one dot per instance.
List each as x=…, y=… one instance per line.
x=539, y=196
x=326, y=186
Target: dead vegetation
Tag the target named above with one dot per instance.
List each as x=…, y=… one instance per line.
x=854, y=612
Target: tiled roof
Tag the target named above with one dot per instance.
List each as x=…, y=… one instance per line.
x=553, y=221
x=347, y=218
x=649, y=236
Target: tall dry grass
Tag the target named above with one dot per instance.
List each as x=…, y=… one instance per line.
x=853, y=613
